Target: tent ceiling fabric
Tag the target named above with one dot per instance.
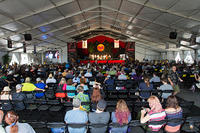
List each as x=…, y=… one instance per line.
x=53, y=23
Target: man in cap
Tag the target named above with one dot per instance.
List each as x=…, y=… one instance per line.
x=19, y=97
x=40, y=85
x=99, y=117
x=76, y=116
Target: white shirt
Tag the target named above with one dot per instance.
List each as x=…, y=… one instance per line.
x=2, y=129
x=88, y=75
x=22, y=128
x=122, y=77
x=50, y=80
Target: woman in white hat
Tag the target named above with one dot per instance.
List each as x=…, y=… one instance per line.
x=5, y=95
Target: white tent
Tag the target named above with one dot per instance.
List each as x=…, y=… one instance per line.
x=53, y=23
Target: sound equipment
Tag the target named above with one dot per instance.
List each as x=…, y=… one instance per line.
x=24, y=47
x=9, y=43
x=27, y=37
x=34, y=51
x=173, y=35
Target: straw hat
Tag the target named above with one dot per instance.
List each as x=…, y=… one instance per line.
x=6, y=88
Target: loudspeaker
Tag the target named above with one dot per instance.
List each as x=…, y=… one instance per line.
x=24, y=47
x=9, y=43
x=34, y=51
x=173, y=35
x=27, y=37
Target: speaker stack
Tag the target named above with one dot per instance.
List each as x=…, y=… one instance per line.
x=173, y=35
x=9, y=43
x=27, y=37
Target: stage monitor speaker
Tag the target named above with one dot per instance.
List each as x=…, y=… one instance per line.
x=27, y=37
x=173, y=35
x=9, y=43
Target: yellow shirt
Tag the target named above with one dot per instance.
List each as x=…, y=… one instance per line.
x=28, y=87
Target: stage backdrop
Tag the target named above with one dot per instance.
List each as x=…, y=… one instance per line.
x=109, y=47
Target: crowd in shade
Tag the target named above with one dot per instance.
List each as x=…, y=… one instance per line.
x=87, y=83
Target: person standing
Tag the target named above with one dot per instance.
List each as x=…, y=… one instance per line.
x=174, y=78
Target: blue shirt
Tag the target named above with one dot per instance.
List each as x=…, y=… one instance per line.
x=76, y=80
x=76, y=116
x=143, y=86
x=155, y=79
x=70, y=87
x=166, y=87
x=110, y=83
x=41, y=86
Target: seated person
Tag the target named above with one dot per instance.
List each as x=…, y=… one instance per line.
x=99, y=74
x=70, y=86
x=99, y=117
x=173, y=111
x=196, y=85
x=82, y=83
x=122, y=76
x=60, y=91
x=122, y=116
x=5, y=95
x=40, y=85
x=28, y=86
x=155, y=78
x=14, y=126
x=165, y=86
x=112, y=72
x=95, y=97
x=109, y=81
x=146, y=85
x=88, y=74
x=50, y=79
x=76, y=79
x=69, y=75
x=155, y=113
x=83, y=98
x=76, y=116
x=3, y=80
x=19, y=96
x=2, y=130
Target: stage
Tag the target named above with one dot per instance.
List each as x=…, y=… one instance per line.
x=102, y=61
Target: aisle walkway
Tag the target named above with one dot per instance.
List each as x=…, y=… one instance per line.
x=190, y=96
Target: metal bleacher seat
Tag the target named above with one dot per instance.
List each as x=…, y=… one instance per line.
x=55, y=105
x=42, y=105
x=130, y=84
x=52, y=85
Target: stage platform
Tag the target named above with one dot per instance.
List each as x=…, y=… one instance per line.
x=102, y=61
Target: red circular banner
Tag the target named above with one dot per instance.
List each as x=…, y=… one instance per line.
x=100, y=47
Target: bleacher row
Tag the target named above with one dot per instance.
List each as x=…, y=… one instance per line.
x=189, y=124
x=50, y=103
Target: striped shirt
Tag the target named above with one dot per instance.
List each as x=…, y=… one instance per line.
x=156, y=116
x=171, y=126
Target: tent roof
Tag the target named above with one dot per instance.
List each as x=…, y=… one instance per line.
x=53, y=23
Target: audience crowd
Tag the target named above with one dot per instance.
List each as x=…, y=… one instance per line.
x=80, y=84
